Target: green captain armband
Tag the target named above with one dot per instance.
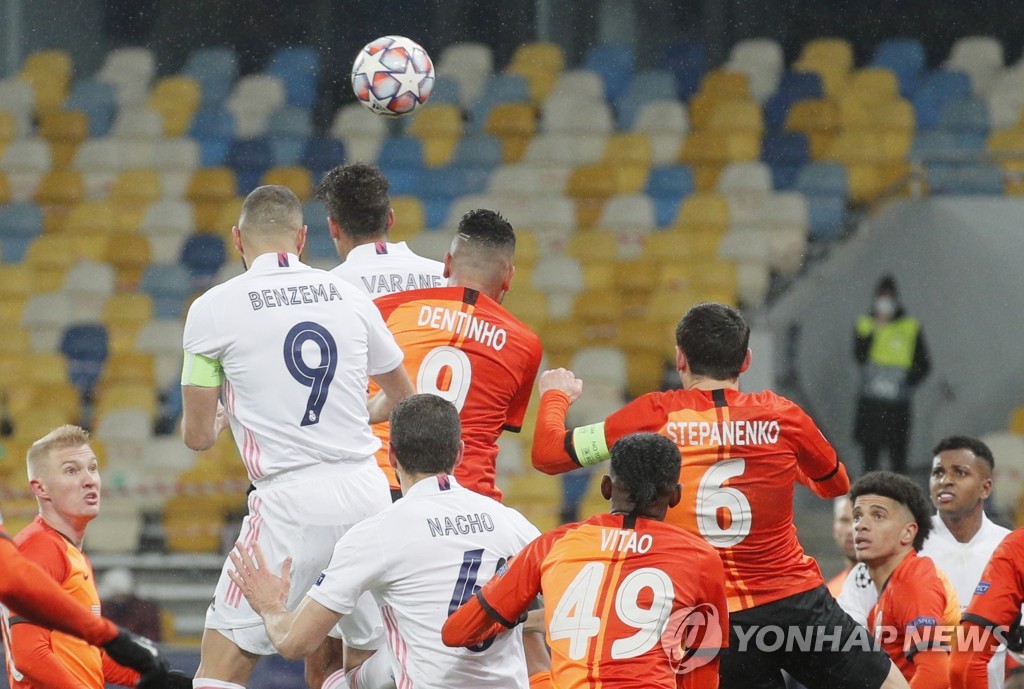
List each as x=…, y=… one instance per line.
x=201, y=371
x=590, y=445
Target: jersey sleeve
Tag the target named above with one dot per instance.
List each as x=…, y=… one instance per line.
x=817, y=460
x=920, y=611
x=384, y=353
x=118, y=674
x=358, y=564
x=528, y=370
x=201, y=335
x=30, y=593
x=34, y=657
x=859, y=594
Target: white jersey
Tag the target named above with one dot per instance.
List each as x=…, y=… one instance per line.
x=962, y=563
x=297, y=345
x=384, y=268
x=422, y=558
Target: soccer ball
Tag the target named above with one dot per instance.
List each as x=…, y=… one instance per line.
x=393, y=76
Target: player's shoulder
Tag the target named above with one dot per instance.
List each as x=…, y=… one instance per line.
x=917, y=568
x=1013, y=542
x=37, y=539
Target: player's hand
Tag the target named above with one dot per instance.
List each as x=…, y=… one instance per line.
x=176, y=679
x=140, y=654
x=563, y=380
x=264, y=591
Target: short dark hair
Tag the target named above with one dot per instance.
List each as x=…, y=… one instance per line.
x=425, y=434
x=271, y=209
x=645, y=464
x=714, y=338
x=487, y=228
x=966, y=442
x=356, y=196
x=904, y=491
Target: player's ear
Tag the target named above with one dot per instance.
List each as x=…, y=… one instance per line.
x=236, y=239
x=677, y=495
x=300, y=241
x=458, y=457
x=333, y=228
x=909, y=533
x=986, y=488
x=38, y=489
x=447, y=264
x=746, y=361
x=392, y=457
x=606, y=487
x=681, y=364
x=391, y=219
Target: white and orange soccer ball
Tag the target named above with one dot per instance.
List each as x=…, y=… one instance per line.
x=393, y=76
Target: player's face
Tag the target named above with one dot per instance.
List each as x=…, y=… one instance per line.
x=842, y=529
x=959, y=483
x=72, y=482
x=882, y=528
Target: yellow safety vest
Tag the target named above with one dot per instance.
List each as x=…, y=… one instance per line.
x=894, y=343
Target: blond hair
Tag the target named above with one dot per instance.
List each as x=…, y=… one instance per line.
x=59, y=438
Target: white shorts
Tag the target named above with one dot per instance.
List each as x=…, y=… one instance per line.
x=302, y=515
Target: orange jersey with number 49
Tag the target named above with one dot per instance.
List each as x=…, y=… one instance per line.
x=741, y=453
x=465, y=347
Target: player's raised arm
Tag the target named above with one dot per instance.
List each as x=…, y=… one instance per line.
x=553, y=444
x=395, y=386
x=818, y=465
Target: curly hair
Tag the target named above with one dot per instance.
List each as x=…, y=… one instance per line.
x=356, y=196
x=646, y=464
x=904, y=491
x=488, y=228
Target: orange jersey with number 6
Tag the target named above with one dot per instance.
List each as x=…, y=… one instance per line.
x=465, y=347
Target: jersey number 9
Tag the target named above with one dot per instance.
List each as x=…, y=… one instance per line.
x=317, y=378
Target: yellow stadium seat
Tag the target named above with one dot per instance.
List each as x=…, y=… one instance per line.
x=227, y=217
x=527, y=303
x=702, y=105
x=1006, y=141
x=410, y=218
x=538, y=56
x=726, y=83
x=636, y=277
x=593, y=246
x=590, y=186
x=598, y=307
x=718, y=148
x=818, y=119
x=827, y=51
x=65, y=130
x=129, y=254
x=561, y=339
x=736, y=116
x=1017, y=421
x=515, y=124
x=128, y=367
x=670, y=247
x=193, y=524
x=703, y=212
x=5, y=186
x=16, y=338
x=127, y=395
x=34, y=425
x=60, y=189
x=644, y=372
x=12, y=307
x=46, y=367
x=877, y=82
x=438, y=150
x=208, y=189
x=444, y=120
x=136, y=187
x=176, y=98
x=49, y=73
x=865, y=181
x=298, y=179
x=632, y=148
x=91, y=217
x=51, y=61
x=48, y=254
x=8, y=129
x=29, y=397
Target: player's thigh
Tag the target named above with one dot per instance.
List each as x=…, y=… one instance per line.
x=826, y=648
x=363, y=628
x=744, y=666
x=222, y=659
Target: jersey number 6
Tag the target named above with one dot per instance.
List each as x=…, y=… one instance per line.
x=317, y=378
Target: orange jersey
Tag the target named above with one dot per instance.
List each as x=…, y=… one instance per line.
x=66, y=658
x=463, y=346
x=917, y=610
x=619, y=595
x=835, y=584
x=741, y=454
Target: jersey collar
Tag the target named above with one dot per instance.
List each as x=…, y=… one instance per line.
x=433, y=485
x=366, y=251
x=272, y=260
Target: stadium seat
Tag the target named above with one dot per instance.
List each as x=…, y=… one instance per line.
x=89, y=284
x=138, y=123
x=481, y=151
x=565, y=149
x=515, y=124
x=288, y=130
x=470, y=64
x=567, y=115
x=905, y=57
x=410, y=218
x=176, y=98
x=85, y=347
x=215, y=68
x=124, y=314
x=60, y=189
x=745, y=177
x=500, y=88
x=319, y=245
x=249, y=158
x=296, y=178
x=166, y=224
x=826, y=217
x=168, y=285
x=252, y=100
x=401, y=151
x=688, y=62
x=446, y=90
x=831, y=58
x=299, y=68
x=968, y=116
x=823, y=179
x=49, y=73
x=667, y=186
x=938, y=87
x=208, y=189
x=203, y=255
x=973, y=178
x=25, y=161
x=703, y=213
x=321, y=155
x=98, y=100
x=666, y=124
x=580, y=84
x=65, y=130
x=20, y=223
x=129, y=255
x=980, y=57
x=818, y=119
x=614, y=63
x=19, y=102
x=761, y=59
x=645, y=87
x=540, y=63
x=786, y=153
x=213, y=129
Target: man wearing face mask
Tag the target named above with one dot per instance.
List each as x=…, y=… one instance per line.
x=890, y=348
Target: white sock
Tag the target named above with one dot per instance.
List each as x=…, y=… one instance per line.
x=375, y=673
x=336, y=681
x=204, y=683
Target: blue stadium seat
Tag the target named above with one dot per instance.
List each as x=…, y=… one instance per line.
x=500, y=88
x=478, y=150
x=614, y=62
x=250, y=158
x=401, y=151
x=203, y=255
x=646, y=86
x=688, y=61
x=85, y=346
x=937, y=88
x=213, y=129
x=289, y=129
x=403, y=180
x=216, y=70
x=98, y=100
x=786, y=153
x=823, y=179
x=668, y=186
x=905, y=57
x=168, y=285
x=941, y=145
x=794, y=86
x=299, y=68
x=446, y=90
x=826, y=217
x=968, y=179
x=318, y=237
x=441, y=186
x=20, y=223
x=969, y=116
x=322, y=154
